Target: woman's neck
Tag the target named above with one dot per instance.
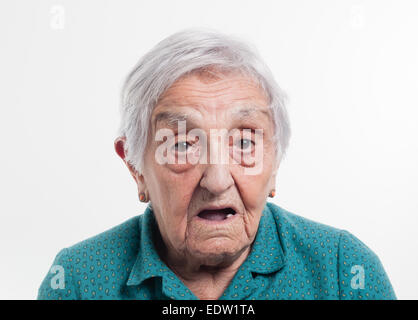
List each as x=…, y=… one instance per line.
x=207, y=279
x=206, y=282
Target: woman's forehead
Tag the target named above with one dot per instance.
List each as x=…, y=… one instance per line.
x=221, y=92
x=240, y=112
x=235, y=97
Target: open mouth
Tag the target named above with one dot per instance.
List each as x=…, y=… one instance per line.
x=217, y=215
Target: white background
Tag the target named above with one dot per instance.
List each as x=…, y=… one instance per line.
x=350, y=69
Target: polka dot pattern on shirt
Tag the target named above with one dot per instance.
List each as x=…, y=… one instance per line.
x=291, y=258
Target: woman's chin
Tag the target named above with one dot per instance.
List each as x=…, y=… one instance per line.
x=216, y=251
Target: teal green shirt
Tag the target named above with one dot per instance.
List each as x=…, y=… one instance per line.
x=291, y=258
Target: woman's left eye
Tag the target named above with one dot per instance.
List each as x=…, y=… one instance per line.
x=182, y=146
x=245, y=143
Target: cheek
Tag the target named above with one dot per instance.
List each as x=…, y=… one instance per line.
x=174, y=192
x=253, y=188
x=170, y=183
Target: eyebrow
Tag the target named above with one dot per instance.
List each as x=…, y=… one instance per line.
x=171, y=118
x=247, y=112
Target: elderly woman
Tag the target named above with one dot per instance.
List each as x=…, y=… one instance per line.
x=203, y=131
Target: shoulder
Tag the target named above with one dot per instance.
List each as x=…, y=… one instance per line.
x=359, y=274
x=86, y=268
x=125, y=235
x=293, y=226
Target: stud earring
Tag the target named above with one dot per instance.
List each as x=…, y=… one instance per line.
x=272, y=193
x=142, y=197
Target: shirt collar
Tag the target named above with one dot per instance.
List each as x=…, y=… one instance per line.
x=266, y=255
x=148, y=263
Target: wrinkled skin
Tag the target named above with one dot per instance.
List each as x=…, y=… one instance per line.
x=206, y=254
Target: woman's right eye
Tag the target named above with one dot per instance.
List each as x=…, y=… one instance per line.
x=245, y=144
x=181, y=146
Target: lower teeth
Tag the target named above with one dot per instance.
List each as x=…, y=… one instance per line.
x=229, y=215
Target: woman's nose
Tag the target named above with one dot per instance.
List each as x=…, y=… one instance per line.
x=217, y=178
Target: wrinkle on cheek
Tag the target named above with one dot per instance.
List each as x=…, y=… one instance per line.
x=248, y=219
x=180, y=228
x=186, y=234
x=178, y=196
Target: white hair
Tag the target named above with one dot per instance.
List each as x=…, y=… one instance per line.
x=180, y=54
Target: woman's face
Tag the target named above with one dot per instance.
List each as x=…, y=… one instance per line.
x=187, y=198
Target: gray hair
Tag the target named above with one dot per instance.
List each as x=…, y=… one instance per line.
x=180, y=54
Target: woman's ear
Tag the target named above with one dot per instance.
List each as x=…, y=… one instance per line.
x=273, y=175
x=120, y=150
x=273, y=182
x=120, y=147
